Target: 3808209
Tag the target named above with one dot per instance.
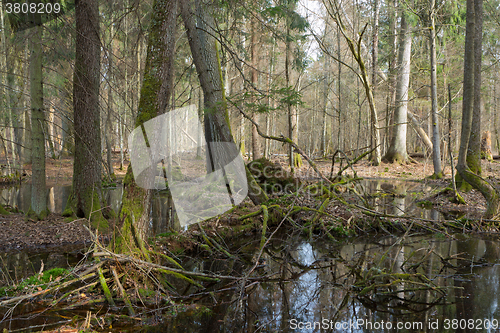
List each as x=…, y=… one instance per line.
x=32, y=8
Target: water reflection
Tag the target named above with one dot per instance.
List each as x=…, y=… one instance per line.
x=15, y=266
x=317, y=284
x=398, y=197
x=57, y=197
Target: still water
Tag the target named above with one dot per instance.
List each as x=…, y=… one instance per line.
x=419, y=283
x=315, y=289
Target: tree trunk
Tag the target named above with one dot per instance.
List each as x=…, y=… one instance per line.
x=420, y=131
x=495, y=116
x=436, y=140
x=256, y=149
x=289, y=106
x=86, y=195
x=474, y=148
x=391, y=94
x=487, y=190
x=38, y=207
x=376, y=11
x=155, y=94
x=10, y=63
x=397, y=149
x=324, y=103
x=206, y=58
x=109, y=127
x=27, y=121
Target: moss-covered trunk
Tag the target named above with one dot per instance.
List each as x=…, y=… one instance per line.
x=156, y=90
x=487, y=190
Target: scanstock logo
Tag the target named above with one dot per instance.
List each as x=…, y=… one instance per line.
x=164, y=154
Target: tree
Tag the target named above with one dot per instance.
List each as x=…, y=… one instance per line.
x=256, y=148
x=492, y=196
x=38, y=208
x=397, y=149
x=436, y=152
x=109, y=128
x=86, y=193
x=155, y=94
x=355, y=48
x=474, y=147
x=200, y=27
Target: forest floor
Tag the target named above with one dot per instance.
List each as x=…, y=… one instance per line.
x=17, y=233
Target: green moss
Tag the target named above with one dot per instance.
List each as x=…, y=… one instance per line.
x=436, y=176
x=132, y=205
x=68, y=212
x=46, y=277
x=242, y=147
x=97, y=220
x=70, y=219
x=425, y=204
x=166, y=234
x=298, y=160
x=3, y=211
x=31, y=214
x=129, y=176
x=145, y=292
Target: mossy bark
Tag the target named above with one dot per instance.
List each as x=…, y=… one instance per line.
x=156, y=90
x=136, y=203
x=464, y=169
x=394, y=157
x=437, y=175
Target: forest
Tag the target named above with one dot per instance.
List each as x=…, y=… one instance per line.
x=268, y=166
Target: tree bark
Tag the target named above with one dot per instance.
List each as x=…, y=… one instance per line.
x=206, y=58
x=397, y=149
x=436, y=140
x=155, y=94
x=420, y=131
x=86, y=195
x=487, y=190
x=38, y=207
x=474, y=148
x=376, y=12
x=256, y=149
x=108, y=126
